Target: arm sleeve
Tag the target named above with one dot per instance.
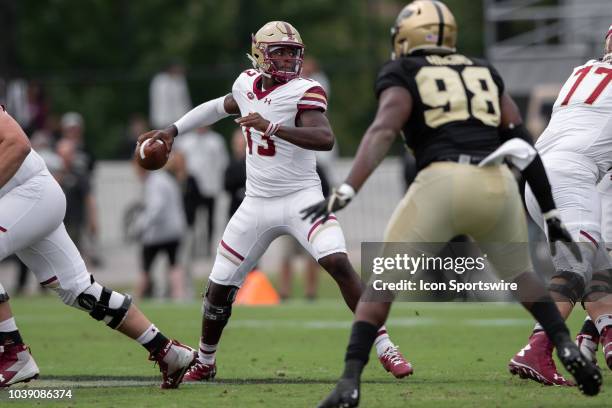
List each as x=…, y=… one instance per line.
x=534, y=173
x=202, y=115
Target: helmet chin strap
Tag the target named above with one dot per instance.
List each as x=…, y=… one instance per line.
x=256, y=66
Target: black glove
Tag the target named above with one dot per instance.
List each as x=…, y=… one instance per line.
x=557, y=232
x=338, y=199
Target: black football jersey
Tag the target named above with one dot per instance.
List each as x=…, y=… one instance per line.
x=456, y=107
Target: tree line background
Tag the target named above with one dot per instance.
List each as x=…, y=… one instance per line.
x=97, y=57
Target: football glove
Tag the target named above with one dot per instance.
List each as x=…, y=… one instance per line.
x=558, y=233
x=338, y=199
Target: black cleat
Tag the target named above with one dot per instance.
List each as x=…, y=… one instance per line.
x=587, y=375
x=345, y=395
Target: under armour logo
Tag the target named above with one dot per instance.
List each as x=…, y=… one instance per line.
x=268, y=101
x=355, y=394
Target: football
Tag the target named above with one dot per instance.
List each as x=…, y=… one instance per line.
x=152, y=154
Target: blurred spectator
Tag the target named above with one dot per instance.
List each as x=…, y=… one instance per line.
x=138, y=125
x=72, y=128
x=83, y=163
x=38, y=107
x=42, y=142
x=168, y=96
x=311, y=70
x=206, y=156
x=80, y=204
x=17, y=102
x=235, y=173
x=291, y=249
x=28, y=104
x=161, y=225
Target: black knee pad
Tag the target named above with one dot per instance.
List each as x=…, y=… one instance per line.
x=604, y=288
x=573, y=289
x=216, y=313
x=97, y=300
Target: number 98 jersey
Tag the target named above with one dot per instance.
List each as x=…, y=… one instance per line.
x=456, y=105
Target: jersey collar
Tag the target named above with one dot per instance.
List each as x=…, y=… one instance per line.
x=262, y=94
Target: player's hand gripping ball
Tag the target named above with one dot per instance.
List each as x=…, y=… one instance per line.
x=152, y=154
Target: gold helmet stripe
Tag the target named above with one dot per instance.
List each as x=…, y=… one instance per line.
x=441, y=24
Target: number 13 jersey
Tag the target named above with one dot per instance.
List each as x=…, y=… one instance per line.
x=276, y=167
x=455, y=108
x=581, y=121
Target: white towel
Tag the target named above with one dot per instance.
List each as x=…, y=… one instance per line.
x=518, y=151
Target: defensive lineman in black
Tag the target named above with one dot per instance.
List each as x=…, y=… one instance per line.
x=453, y=112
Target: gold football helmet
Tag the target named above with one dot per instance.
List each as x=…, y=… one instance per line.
x=608, y=46
x=270, y=37
x=423, y=25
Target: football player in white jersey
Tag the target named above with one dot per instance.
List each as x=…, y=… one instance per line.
x=32, y=208
x=576, y=150
x=283, y=121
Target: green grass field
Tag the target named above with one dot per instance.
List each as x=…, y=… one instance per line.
x=290, y=356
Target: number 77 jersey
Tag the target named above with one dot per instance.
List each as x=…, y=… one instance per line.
x=581, y=120
x=456, y=105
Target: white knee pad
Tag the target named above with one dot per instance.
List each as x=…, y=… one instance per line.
x=103, y=304
x=226, y=272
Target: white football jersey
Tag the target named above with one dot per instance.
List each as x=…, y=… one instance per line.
x=276, y=167
x=581, y=121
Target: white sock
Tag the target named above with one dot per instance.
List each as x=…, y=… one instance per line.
x=148, y=335
x=206, y=353
x=8, y=325
x=382, y=342
x=601, y=322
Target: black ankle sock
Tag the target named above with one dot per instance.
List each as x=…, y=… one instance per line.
x=13, y=337
x=588, y=327
x=547, y=314
x=158, y=343
x=363, y=335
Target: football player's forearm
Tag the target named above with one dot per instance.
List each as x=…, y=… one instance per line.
x=311, y=138
x=535, y=175
x=205, y=114
x=372, y=150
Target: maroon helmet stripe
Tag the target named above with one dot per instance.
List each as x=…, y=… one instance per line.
x=289, y=32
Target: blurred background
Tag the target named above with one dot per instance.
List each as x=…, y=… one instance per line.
x=84, y=78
